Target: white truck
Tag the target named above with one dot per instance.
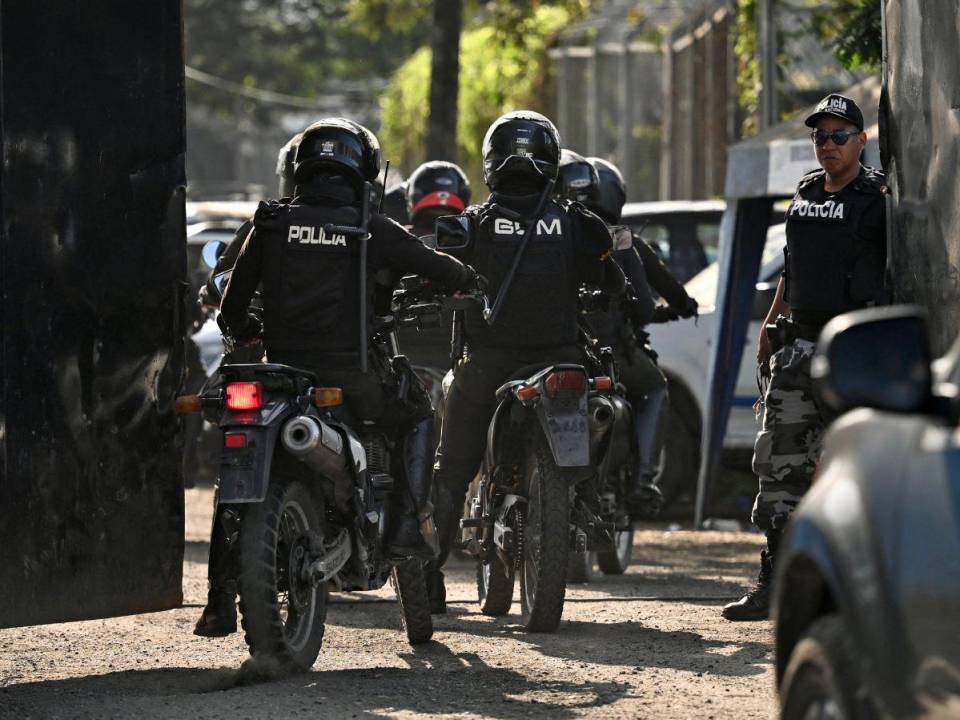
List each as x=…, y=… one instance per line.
x=685, y=350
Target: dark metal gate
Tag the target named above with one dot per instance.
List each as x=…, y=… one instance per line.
x=91, y=263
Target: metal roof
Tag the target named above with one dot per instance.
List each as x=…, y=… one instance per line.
x=666, y=207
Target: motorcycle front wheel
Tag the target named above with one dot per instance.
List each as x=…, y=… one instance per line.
x=283, y=615
x=546, y=542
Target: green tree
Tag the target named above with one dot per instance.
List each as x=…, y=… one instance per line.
x=854, y=29
x=297, y=47
x=502, y=67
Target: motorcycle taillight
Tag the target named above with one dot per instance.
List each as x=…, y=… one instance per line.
x=565, y=383
x=244, y=396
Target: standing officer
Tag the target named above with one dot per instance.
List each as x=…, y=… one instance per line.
x=569, y=246
x=312, y=303
x=835, y=261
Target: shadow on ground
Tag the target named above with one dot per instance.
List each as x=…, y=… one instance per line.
x=435, y=681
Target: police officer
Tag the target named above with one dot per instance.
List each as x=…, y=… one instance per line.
x=434, y=189
x=623, y=330
x=539, y=324
x=311, y=302
x=835, y=260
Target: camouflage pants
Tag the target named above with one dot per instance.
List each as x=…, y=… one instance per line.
x=788, y=444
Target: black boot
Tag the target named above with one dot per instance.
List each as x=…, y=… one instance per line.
x=412, y=532
x=219, y=617
x=644, y=499
x=437, y=591
x=755, y=605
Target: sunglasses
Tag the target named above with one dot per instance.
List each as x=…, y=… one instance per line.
x=839, y=137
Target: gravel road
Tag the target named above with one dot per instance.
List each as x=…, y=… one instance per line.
x=649, y=644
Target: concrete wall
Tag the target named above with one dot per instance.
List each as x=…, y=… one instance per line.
x=922, y=118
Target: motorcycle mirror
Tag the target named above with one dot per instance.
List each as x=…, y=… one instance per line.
x=212, y=251
x=452, y=232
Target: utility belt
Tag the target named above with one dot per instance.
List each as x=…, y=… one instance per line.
x=785, y=331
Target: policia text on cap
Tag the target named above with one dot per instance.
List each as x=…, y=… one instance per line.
x=834, y=262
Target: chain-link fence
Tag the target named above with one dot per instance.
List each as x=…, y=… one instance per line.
x=233, y=155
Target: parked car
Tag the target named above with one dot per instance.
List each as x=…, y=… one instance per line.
x=685, y=351
x=867, y=595
x=684, y=232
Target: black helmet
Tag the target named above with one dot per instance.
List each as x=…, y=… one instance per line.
x=611, y=192
x=437, y=184
x=340, y=145
x=576, y=179
x=522, y=142
x=285, y=166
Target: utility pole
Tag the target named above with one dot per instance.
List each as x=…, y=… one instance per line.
x=767, y=53
x=444, y=80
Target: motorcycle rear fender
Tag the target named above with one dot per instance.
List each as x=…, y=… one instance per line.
x=245, y=472
x=562, y=419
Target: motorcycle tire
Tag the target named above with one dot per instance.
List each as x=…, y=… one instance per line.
x=546, y=543
x=580, y=567
x=494, y=587
x=411, y=588
x=616, y=562
x=282, y=615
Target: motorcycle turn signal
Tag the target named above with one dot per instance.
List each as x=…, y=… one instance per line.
x=188, y=404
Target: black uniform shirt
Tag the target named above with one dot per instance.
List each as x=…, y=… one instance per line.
x=311, y=289
x=836, y=246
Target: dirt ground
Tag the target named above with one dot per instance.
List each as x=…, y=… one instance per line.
x=649, y=644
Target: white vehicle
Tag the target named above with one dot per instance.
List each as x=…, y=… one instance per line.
x=685, y=350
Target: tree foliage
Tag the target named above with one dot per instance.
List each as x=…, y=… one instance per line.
x=502, y=67
x=298, y=47
x=854, y=29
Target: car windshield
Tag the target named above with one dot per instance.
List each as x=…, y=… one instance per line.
x=703, y=285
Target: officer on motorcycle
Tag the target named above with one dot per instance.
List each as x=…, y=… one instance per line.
x=623, y=329
x=434, y=189
x=312, y=302
x=539, y=324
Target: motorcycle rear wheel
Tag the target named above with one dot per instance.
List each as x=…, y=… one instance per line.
x=616, y=562
x=411, y=588
x=546, y=545
x=282, y=614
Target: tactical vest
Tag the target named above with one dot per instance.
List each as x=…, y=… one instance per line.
x=311, y=281
x=831, y=259
x=542, y=303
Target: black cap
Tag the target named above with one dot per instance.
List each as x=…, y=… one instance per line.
x=838, y=106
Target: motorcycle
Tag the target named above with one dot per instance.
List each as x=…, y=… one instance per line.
x=304, y=493
x=539, y=495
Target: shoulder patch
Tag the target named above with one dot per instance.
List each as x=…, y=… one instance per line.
x=872, y=182
x=810, y=178
x=267, y=215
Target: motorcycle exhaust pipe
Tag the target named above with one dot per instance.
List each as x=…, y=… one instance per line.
x=600, y=416
x=317, y=445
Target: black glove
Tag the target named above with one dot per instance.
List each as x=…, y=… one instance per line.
x=690, y=309
x=664, y=313
x=249, y=333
